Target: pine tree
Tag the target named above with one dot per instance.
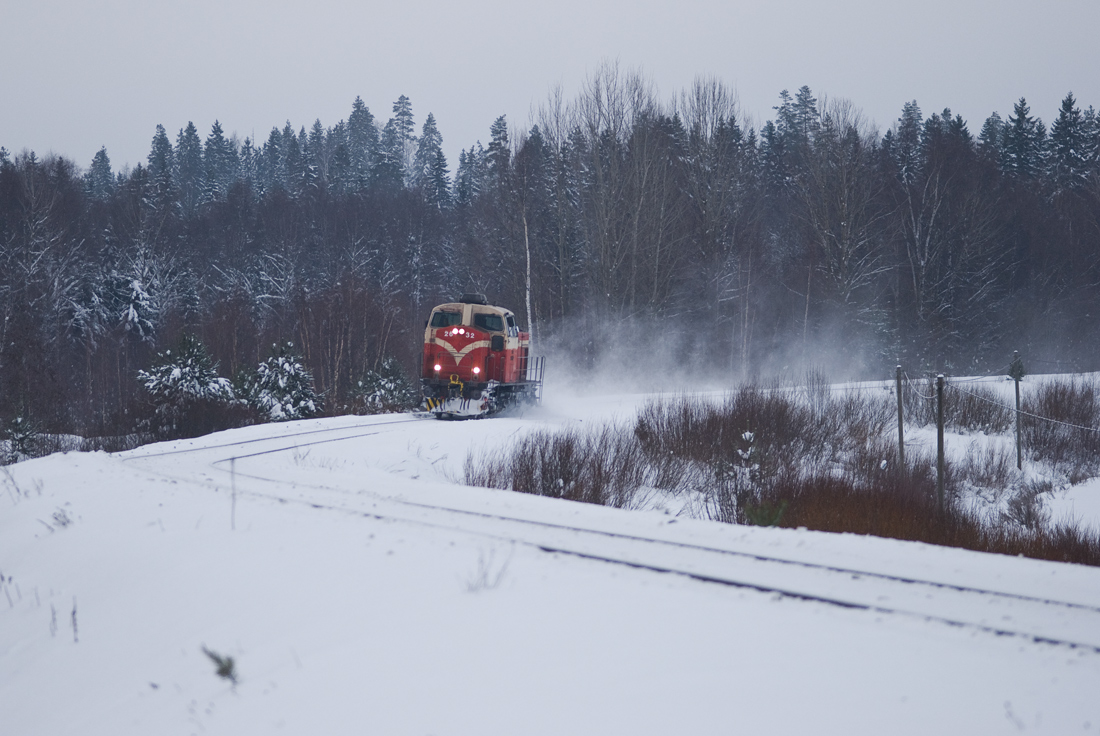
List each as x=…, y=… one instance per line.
x=99, y=182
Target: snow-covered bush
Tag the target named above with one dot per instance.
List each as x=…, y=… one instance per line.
x=385, y=390
x=189, y=397
x=19, y=440
x=281, y=388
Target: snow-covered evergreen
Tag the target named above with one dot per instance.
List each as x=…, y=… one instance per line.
x=185, y=386
x=281, y=388
x=18, y=440
x=387, y=389
x=187, y=375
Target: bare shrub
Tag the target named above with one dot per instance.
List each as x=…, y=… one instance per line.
x=974, y=407
x=824, y=460
x=919, y=401
x=1061, y=425
x=967, y=407
x=115, y=443
x=489, y=574
x=987, y=465
x=604, y=466
x=1025, y=506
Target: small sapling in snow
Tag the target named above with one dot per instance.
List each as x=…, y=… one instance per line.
x=225, y=667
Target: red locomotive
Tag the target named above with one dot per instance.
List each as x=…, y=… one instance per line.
x=476, y=360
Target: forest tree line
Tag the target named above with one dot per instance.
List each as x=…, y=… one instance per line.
x=616, y=224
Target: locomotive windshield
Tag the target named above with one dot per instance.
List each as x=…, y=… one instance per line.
x=446, y=319
x=489, y=322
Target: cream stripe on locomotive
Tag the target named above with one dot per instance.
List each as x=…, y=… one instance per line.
x=458, y=355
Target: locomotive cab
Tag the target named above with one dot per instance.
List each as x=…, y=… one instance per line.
x=475, y=353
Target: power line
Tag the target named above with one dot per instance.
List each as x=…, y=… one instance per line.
x=1025, y=413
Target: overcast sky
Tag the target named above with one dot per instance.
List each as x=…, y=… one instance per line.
x=76, y=75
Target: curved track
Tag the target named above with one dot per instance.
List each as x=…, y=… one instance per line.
x=1038, y=619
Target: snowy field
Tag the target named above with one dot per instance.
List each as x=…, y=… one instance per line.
x=361, y=589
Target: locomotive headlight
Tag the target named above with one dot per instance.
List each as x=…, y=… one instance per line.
x=476, y=370
x=438, y=367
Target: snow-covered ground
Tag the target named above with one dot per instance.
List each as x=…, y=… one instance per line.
x=361, y=589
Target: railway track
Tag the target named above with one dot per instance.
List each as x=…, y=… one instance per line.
x=1034, y=618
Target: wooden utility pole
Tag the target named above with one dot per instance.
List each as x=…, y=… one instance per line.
x=901, y=426
x=1016, y=372
x=233, y=481
x=940, y=465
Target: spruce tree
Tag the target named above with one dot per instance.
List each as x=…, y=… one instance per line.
x=1070, y=152
x=189, y=168
x=429, y=172
x=220, y=163
x=341, y=171
x=270, y=167
x=294, y=165
x=439, y=181
x=249, y=164
x=162, y=163
x=991, y=138
x=362, y=144
x=189, y=397
x=1024, y=143
x=316, y=156
x=389, y=168
x=281, y=389
x=405, y=129
x=498, y=155
x=386, y=390
x=470, y=176
x=99, y=182
x=906, y=149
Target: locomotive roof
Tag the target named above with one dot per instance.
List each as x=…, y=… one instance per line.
x=460, y=306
